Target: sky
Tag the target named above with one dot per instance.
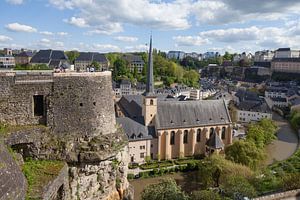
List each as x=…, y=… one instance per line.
x=125, y=25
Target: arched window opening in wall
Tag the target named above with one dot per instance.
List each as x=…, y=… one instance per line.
x=198, y=135
x=185, y=136
x=223, y=133
x=172, y=139
x=211, y=132
x=151, y=102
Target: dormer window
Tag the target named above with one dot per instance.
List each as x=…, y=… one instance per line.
x=184, y=121
x=133, y=136
x=172, y=122
x=140, y=135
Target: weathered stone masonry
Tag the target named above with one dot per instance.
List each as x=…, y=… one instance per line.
x=78, y=112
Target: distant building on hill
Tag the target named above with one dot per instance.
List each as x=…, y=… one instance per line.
x=52, y=58
x=134, y=62
x=86, y=59
x=178, y=55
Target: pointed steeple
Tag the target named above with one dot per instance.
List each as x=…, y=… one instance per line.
x=150, y=81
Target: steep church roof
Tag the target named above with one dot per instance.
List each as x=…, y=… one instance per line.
x=178, y=114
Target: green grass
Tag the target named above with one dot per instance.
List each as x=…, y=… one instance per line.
x=38, y=173
x=291, y=165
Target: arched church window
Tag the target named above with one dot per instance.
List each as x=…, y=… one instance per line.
x=198, y=135
x=211, y=132
x=151, y=101
x=223, y=133
x=172, y=139
x=185, y=136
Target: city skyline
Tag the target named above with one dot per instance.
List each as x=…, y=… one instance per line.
x=119, y=25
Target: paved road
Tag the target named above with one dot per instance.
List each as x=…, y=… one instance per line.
x=286, y=144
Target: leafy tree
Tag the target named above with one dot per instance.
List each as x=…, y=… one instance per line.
x=205, y=195
x=228, y=56
x=72, y=55
x=165, y=190
x=245, y=153
x=237, y=187
x=120, y=68
x=291, y=181
x=262, y=133
x=295, y=120
x=96, y=65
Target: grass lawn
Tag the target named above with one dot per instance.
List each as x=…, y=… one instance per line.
x=38, y=173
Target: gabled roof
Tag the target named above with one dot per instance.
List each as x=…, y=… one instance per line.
x=91, y=56
x=215, y=142
x=283, y=49
x=134, y=130
x=177, y=114
x=44, y=56
x=25, y=54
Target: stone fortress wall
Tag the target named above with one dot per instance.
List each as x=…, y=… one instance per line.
x=72, y=102
x=80, y=128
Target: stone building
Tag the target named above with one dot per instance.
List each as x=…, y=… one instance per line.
x=167, y=129
x=52, y=58
x=86, y=59
x=23, y=58
x=69, y=117
x=286, y=65
x=134, y=62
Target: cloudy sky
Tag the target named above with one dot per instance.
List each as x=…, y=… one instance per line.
x=125, y=25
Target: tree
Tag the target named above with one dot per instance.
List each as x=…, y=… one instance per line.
x=165, y=190
x=96, y=65
x=72, y=55
x=228, y=56
x=245, y=153
x=237, y=187
x=295, y=120
x=291, y=181
x=205, y=195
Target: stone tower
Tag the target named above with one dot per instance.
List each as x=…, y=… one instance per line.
x=149, y=98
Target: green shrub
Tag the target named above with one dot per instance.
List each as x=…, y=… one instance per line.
x=133, y=165
x=205, y=195
x=130, y=176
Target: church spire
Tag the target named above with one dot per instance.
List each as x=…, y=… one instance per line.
x=150, y=81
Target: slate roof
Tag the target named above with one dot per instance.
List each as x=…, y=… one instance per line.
x=131, y=58
x=91, y=56
x=283, y=49
x=135, y=130
x=25, y=54
x=45, y=56
x=215, y=142
x=178, y=114
x=247, y=95
x=254, y=106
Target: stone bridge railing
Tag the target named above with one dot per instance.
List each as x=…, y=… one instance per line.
x=280, y=195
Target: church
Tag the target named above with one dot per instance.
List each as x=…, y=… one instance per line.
x=164, y=128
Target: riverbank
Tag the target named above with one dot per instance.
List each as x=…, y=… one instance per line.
x=285, y=145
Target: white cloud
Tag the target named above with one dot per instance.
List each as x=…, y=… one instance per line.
x=62, y=33
x=190, y=41
x=103, y=13
x=16, y=27
x=136, y=48
x=4, y=38
x=126, y=39
x=77, y=21
x=15, y=2
x=106, y=29
x=105, y=48
x=46, y=33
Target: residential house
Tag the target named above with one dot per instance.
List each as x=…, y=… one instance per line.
x=250, y=107
x=86, y=59
x=286, y=53
x=52, y=58
x=23, y=58
x=286, y=65
x=134, y=62
x=178, y=55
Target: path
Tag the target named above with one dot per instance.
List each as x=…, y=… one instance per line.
x=286, y=144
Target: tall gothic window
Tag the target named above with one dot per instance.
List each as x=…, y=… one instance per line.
x=185, y=136
x=223, y=133
x=198, y=135
x=172, y=139
x=211, y=132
